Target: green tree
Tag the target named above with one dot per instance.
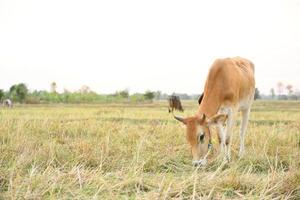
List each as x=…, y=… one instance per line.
x=257, y=94
x=137, y=97
x=18, y=92
x=2, y=94
x=149, y=95
x=123, y=93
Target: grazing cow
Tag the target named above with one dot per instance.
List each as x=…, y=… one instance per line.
x=7, y=103
x=174, y=103
x=229, y=88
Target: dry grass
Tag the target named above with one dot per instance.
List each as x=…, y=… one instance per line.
x=140, y=152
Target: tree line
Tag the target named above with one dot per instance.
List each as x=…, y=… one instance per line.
x=21, y=94
x=283, y=92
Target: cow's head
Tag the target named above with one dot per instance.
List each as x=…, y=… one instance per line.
x=198, y=132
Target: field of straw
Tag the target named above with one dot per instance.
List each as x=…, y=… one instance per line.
x=126, y=151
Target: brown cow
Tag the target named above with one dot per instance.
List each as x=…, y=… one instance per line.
x=174, y=103
x=229, y=88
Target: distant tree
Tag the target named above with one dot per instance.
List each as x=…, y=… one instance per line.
x=149, y=95
x=297, y=93
x=257, y=94
x=280, y=88
x=164, y=96
x=272, y=91
x=137, y=97
x=22, y=91
x=53, y=87
x=12, y=89
x=289, y=88
x=183, y=96
x=18, y=92
x=84, y=89
x=123, y=93
x=157, y=95
x=2, y=94
x=283, y=97
x=66, y=90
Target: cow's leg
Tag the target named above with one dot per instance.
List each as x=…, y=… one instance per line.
x=245, y=117
x=222, y=138
x=229, y=129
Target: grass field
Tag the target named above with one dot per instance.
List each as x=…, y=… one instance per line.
x=120, y=151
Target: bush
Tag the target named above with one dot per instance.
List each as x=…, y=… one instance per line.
x=18, y=92
x=149, y=95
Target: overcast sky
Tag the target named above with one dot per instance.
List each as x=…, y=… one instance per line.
x=158, y=45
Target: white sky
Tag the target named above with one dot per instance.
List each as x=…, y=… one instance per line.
x=159, y=45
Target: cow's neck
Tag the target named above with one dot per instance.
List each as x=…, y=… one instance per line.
x=209, y=106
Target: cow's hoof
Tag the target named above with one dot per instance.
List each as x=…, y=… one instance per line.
x=201, y=162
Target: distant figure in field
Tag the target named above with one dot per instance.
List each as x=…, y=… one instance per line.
x=174, y=103
x=7, y=103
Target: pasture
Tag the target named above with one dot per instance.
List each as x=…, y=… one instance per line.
x=127, y=151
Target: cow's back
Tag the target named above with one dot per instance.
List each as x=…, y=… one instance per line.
x=229, y=81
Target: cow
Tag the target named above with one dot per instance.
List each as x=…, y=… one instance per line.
x=229, y=88
x=174, y=103
x=7, y=103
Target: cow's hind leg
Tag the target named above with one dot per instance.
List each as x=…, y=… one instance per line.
x=245, y=117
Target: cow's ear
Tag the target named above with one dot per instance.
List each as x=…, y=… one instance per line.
x=200, y=98
x=217, y=119
x=181, y=119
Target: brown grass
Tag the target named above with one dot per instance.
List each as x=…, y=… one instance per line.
x=139, y=152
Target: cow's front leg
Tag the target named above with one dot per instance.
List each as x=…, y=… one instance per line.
x=222, y=137
x=229, y=130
